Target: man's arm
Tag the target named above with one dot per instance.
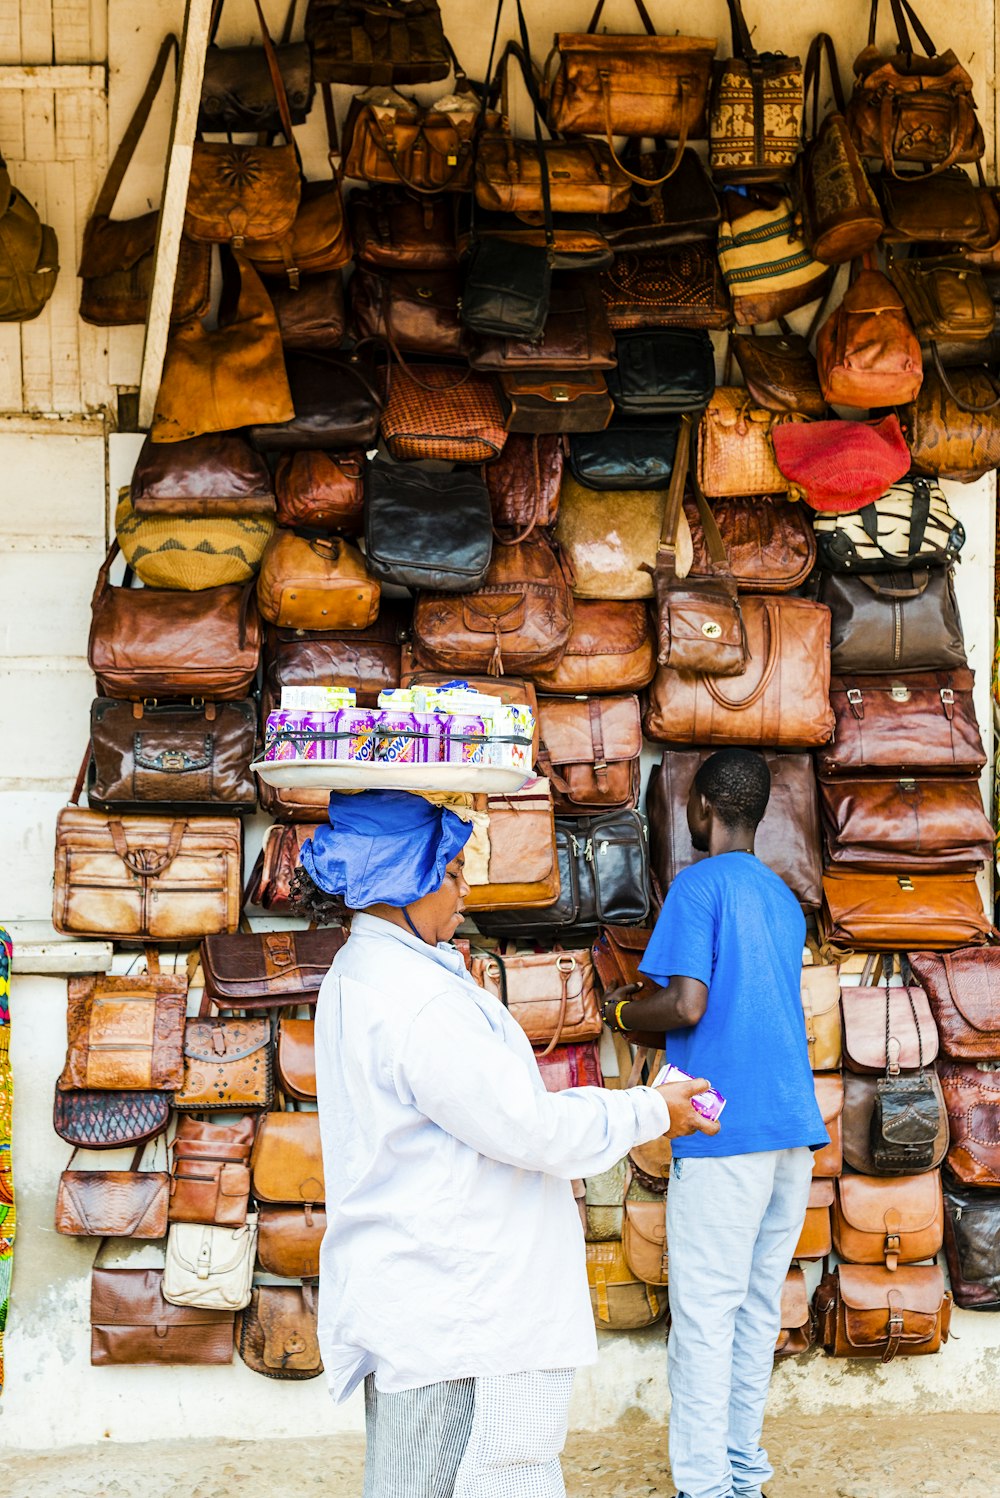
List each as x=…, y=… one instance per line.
x=681, y=1004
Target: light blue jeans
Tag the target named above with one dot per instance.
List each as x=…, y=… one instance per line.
x=732, y=1227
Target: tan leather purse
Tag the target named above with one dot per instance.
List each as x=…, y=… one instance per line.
x=892, y=913
x=227, y=1064
x=390, y=137
x=795, y=1336
x=644, y=1240
x=829, y=1161
x=912, y=1033
x=523, y=868
x=816, y=1238
x=610, y=649
x=552, y=995
x=288, y=1240
x=589, y=748
x=113, y=1203
x=867, y=1312
x=735, y=452
x=889, y=1221
x=126, y=1033
x=295, y=1056
x=287, y=1161
x=620, y=1301
x=210, y=1176
x=276, y=1334
x=316, y=583
x=821, y=1007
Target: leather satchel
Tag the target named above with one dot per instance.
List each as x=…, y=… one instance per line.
x=970, y=1242
x=644, y=1240
x=443, y=414
x=522, y=871
x=788, y=838
x=861, y=1133
x=867, y=353
x=392, y=229
x=523, y=485
x=391, y=138
x=828, y=1162
x=963, y=988
x=891, y=913
x=287, y=1161
x=783, y=698
x=947, y=208
x=757, y=107
x=620, y=1302
x=589, y=749
x=972, y=1096
x=921, y=722
x=427, y=530
x=237, y=94
x=144, y=877
x=795, y=1336
x=210, y=1267
x=617, y=953
x=132, y=1324
x=663, y=372
x=867, y=1312
x=673, y=286
x=113, y=1203
x=415, y=312
x=227, y=1064
x=316, y=583
x=210, y=1176
x=394, y=41
x=952, y=428
x=769, y=540
x=172, y=758
x=541, y=401
x=126, y=1032
x=552, y=995
x=94, y=1119
x=519, y=621
x=335, y=404
x=820, y=992
x=258, y=970
x=906, y=824
x=151, y=642
x=908, y=621
x=841, y=217
x=210, y=477
x=288, y=1240
x=276, y=1334
x=295, y=1058
x=316, y=244
x=321, y=491
x=611, y=649
x=816, y=1237
x=735, y=452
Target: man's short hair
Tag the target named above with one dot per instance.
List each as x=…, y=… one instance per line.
x=736, y=783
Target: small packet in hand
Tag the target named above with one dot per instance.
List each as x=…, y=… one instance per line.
x=709, y=1104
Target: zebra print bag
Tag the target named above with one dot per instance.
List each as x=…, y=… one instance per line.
x=909, y=526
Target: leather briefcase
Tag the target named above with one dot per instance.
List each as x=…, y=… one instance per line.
x=316, y=583
x=970, y=1239
x=860, y=1095
x=288, y=1240
x=963, y=988
x=676, y=286
x=867, y=1312
x=321, y=491
x=94, y=1119
x=131, y=1323
x=541, y=402
x=424, y=530
x=126, y=1032
x=210, y=1174
x=820, y=992
x=227, y=1064
x=153, y=878
x=265, y=969
x=816, y=1237
x=113, y=1203
x=522, y=872
x=907, y=825
x=287, y=1161
x=210, y=1267
x=788, y=839
x=172, y=758
x=888, y=1221
x=295, y=1058
x=276, y=1334
x=158, y=642
x=795, y=1336
x=972, y=1097
x=921, y=722
x=552, y=995
x=770, y=541
x=890, y=913
x=209, y=477
x=782, y=700
x=611, y=649
x=523, y=484
x=589, y=750
x=908, y=621
x=391, y=138
x=828, y=1162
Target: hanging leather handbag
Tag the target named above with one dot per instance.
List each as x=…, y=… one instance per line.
x=946, y=208
x=871, y=1012
x=617, y=953
x=867, y=1312
x=788, y=839
x=227, y=1064
x=905, y=825
x=608, y=537
x=113, y=1203
x=552, y=995
x=210, y=1267
x=395, y=41
x=573, y=241
x=520, y=620
x=116, y=260
x=288, y=1240
x=820, y=992
x=571, y=1066
x=964, y=992
x=391, y=229
x=295, y=1058
x=391, y=138
x=311, y=319
x=316, y=583
x=683, y=207
x=589, y=749
x=540, y=401
x=763, y=258
x=910, y=526
x=644, y=1235
x=271, y=883
x=276, y=1333
x=971, y=1227
x=427, y=530
x=796, y=1335
x=611, y=649
x=443, y=415
x=146, y=878
x=782, y=700
x=317, y=242
x=860, y=1135
x=575, y=334
x=662, y=373
x=676, y=286
x=770, y=542
x=867, y=353
x=816, y=1238
x=523, y=485
x=828, y=1162
x=522, y=871
x=779, y=370
x=756, y=111
x=336, y=404
x=735, y=452
x=172, y=758
x=94, y=1119
x=628, y=454
x=952, y=428
x=287, y=1161
x=190, y=553
x=887, y=913
x=906, y=621
x=415, y=311
x=947, y=299
x=132, y=1324
x=231, y=376
x=126, y=1032
x=210, y=1175
x=924, y=721
x=508, y=287
x=972, y=1096
x=259, y=970
x=237, y=94
x=619, y=1301
x=209, y=477
x=841, y=217
x=908, y=107
x=321, y=491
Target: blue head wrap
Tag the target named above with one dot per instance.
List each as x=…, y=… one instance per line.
x=383, y=847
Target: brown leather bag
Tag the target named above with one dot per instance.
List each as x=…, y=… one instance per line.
x=390, y=137
x=905, y=825
x=923, y=721
x=617, y=953
x=523, y=484
x=867, y=1312
x=779, y=369
x=126, y=1032
x=519, y=621
x=867, y=353
x=94, y=1120
x=619, y=1301
x=276, y=1334
x=840, y=212
x=963, y=988
x=316, y=583
x=295, y=1058
x=132, y=1324
x=952, y=427
x=644, y=1240
x=890, y=913
x=523, y=868
x=576, y=333
x=589, y=749
x=270, y=884
x=781, y=701
x=210, y=1176
x=318, y=241
x=152, y=878
x=394, y=230
x=912, y=1034
x=443, y=414
x=816, y=1237
x=828, y=1162
x=368, y=661
x=151, y=642
x=288, y=1240
x=287, y=1161
x=540, y=402
x=321, y=491
x=261, y=969
x=113, y=1203
x=416, y=312
x=552, y=995
x=608, y=536
x=210, y=477
x=902, y=621
x=311, y=319
x=769, y=540
x=972, y=1097
x=820, y=992
x=889, y=1221
x=860, y=1093
x=227, y=1064
x=674, y=286
x=735, y=452
x=172, y=758
x=611, y=649
x=795, y=1336
x=393, y=43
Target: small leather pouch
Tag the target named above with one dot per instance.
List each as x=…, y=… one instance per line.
x=276, y=1334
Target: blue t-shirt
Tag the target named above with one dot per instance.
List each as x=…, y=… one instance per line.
x=730, y=922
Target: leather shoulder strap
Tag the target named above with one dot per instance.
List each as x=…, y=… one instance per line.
x=742, y=45
x=644, y=17
x=136, y=125
x=820, y=44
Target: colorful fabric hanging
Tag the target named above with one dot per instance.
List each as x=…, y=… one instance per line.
x=8, y=1215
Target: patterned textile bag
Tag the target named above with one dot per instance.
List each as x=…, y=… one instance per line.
x=764, y=260
x=756, y=117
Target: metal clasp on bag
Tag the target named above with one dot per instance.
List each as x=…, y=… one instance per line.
x=711, y=630
x=856, y=701
x=948, y=702
x=899, y=693
x=905, y=883
x=173, y=759
x=560, y=393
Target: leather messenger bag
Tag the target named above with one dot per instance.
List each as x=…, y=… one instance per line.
x=287, y=1161
x=868, y=1312
x=522, y=869
x=589, y=748
x=261, y=969
x=889, y=1221
x=905, y=825
x=890, y=912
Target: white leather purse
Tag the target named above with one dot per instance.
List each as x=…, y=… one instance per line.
x=210, y=1267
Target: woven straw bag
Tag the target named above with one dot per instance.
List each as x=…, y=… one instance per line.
x=735, y=452
x=176, y=551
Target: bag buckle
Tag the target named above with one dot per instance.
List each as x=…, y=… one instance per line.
x=173, y=759
x=559, y=392
x=856, y=701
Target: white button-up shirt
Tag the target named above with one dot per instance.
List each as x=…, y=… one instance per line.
x=453, y=1246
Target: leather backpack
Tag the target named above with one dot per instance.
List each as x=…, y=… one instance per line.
x=867, y=353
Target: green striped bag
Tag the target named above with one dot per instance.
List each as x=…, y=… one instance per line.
x=764, y=261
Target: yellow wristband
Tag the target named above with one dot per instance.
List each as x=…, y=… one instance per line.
x=618, y=1015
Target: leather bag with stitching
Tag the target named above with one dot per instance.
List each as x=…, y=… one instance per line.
x=172, y=758
x=963, y=988
x=287, y=1162
x=210, y=1174
x=863, y=1311
x=552, y=995
x=113, y=1203
x=227, y=1064
x=126, y=1032
x=920, y=721
x=589, y=749
x=252, y=970
x=276, y=1334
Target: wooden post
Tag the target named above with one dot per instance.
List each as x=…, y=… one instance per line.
x=182, y=131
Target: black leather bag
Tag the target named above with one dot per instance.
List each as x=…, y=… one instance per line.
x=628, y=454
x=507, y=289
x=549, y=920
x=901, y=621
x=237, y=92
x=661, y=372
x=336, y=403
x=972, y=1244
x=427, y=530
x=684, y=207
x=906, y=1117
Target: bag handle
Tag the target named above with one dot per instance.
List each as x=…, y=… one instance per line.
x=643, y=17
x=958, y=130
x=133, y=131
x=886, y=589
x=743, y=46
x=960, y=402
x=141, y=861
x=772, y=623
x=820, y=44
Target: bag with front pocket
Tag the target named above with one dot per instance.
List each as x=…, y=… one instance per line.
x=522, y=871
x=589, y=750
x=972, y=1246
x=254, y=970
x=391, y=138
x=210, y=1267
x=795, y=1336
x=316, y=583
x=210, y=1173
x=288, y=1240
x=276, y=1333
x=910, y=526
x=126, y=1032
x=864, y=1311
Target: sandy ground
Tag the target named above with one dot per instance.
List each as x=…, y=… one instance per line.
x=832, y=1456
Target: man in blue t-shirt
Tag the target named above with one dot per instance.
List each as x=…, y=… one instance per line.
x=727, y=954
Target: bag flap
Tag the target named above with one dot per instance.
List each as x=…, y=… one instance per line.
x=261, y=963
x=93, y=1198
x=488, y=612
x=209, y=1252
x=917, y=1288
x=821, y=1194
x=905, y=1204
x=590, y=730
x=289, y=1328
x=133, y=1297
x=112, y=246
x=830, y=1096
x=820, y=988
x=225, y=1040
x=974, y=986
x=794, y=1300
x=297, y=1055
x=648, y=1220
x=864, y=1026
x=287, y=1160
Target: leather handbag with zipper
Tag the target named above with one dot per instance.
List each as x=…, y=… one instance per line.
x=769, y=540
x=887, y=913
x=867, y=353
x=542, y=402
x=522, y=870
x=227, y=1065
x=863, y=1311
x=828, y=1162
x=396, y=41
x=443, y=414
x=796, y=1335
x=841, y=217
x=763, y=258
x=946, y=298
x=295, y=1058
x=172, y=758
x=276, y=1333
x=920, y=722
x=735, y=452
x=416, y=312
x=611, y=649
x=952, y=428
x=209, y=477
x=971, y=1226
x=589, y=749
x=552, y=995
x=669, y=287
x=336, y=404
x=972, y=1096
x=523, y=485
x=963, y=988
x=265, y=969
x=392, y=229
x=288, y=1240
x=427, y=530
x=113, y=1203
x=391, y=138
x=756, y=110
x=819, y=988
x=237, y=93
x=321, y=491
x=662, y=372
x=95, y=1119
x=210, y=1267
x=905, y=824
x=287, y=1161
x=906, y=620
x=210, y=1174
x=816, y=1237
x=132, y=1324
x=316, y=583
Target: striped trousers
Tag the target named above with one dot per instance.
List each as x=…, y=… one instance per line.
x=469, y=1437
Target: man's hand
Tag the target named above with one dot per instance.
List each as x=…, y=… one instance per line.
x=683, y=1118
x=614, y=996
